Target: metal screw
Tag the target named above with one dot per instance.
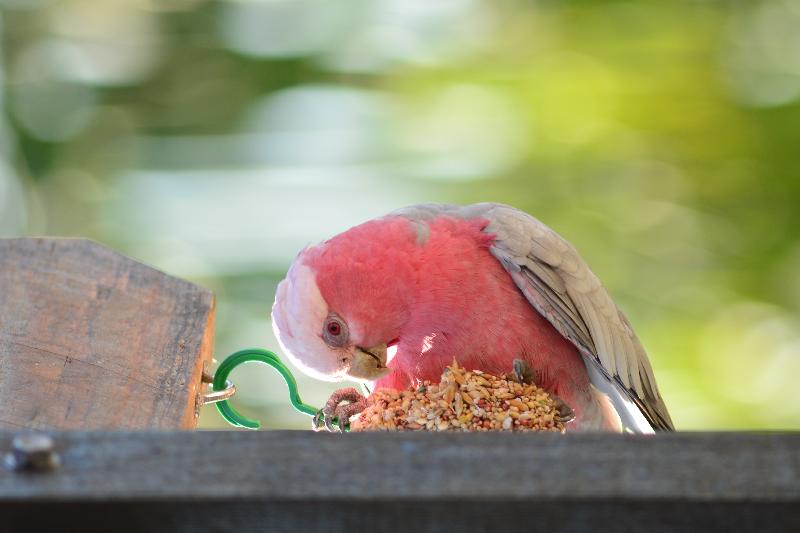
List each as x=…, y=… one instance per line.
x=32, y=452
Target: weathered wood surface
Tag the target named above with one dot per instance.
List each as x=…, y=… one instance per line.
x=301, y=481
x=92, y=339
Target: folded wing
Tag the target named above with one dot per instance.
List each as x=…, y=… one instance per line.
x=561, y=287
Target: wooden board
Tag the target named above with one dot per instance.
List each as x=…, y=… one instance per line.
x=91, y=339
x=304, y=481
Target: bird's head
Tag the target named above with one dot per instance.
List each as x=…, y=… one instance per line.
x=340, y=305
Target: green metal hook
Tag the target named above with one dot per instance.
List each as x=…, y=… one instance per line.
x=231, y=415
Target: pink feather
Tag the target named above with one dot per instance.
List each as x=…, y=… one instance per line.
x=444, y=298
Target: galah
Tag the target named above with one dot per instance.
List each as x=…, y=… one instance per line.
x=484, y=284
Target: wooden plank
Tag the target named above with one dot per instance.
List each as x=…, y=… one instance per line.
x=403, y=516
x=91, y=339
x=301, y=481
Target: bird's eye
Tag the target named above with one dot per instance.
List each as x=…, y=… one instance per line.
x=334, y=332
x=334, y=328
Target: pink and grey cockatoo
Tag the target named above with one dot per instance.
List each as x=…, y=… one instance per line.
x=485, y=284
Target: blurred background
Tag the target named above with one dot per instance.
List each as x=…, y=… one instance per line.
x=214, y=139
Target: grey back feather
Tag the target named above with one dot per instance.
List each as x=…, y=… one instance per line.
x=562, y=288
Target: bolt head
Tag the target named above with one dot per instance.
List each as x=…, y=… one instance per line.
x=32, y=452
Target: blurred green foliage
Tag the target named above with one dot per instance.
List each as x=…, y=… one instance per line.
x=214, y=139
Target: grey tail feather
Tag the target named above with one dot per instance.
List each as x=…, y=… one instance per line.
x=629, y=413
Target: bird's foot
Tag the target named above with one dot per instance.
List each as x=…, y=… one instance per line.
x=523, y=373
x=565, y=412
x=335, y=408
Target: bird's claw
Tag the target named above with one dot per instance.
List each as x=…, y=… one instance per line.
x=317, y=422
x=565, y=412
x=334, y=409
x=522, y=373
x=322, y=420
x=329, y=424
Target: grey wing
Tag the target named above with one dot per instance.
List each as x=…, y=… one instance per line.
x=561, y=287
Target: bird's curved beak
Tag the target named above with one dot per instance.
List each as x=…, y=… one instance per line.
x=368, y=364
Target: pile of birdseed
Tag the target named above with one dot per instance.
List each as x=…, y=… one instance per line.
x=462, y=401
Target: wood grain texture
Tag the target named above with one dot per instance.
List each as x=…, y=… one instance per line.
x=92, y=339
x=302, y=481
